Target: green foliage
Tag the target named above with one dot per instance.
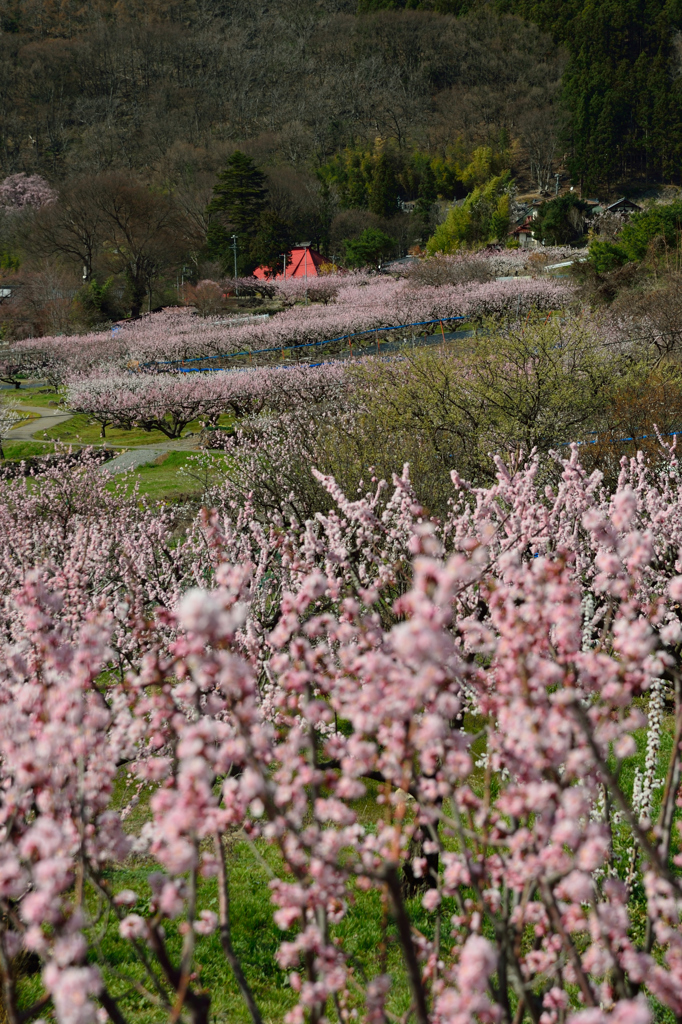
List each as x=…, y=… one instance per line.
x=606, y=256
x=485, y=164
x=659, y=222
x=272, y=240
x=648, y=233
x=427, y=192
x=373, y=180
x=9, y=261
x=240, y=193
x=561, y=221
x=238, y=204
x=454, y=233
x=499, y=222
x=621, y=85
x=483, y=216
x=96, y=302
x=383, y=191
x=370, y=249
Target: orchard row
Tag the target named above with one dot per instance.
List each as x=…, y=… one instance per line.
x=358, y=306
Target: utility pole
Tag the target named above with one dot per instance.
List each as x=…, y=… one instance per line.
x=557, y=176
x=284, y=273
x=234, y=250
x=305, y=265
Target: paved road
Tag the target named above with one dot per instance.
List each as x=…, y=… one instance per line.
x=131, y=459
x=47, y=418
x=145, y=454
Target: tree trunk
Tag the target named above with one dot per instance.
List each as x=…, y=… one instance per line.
x=138, y=293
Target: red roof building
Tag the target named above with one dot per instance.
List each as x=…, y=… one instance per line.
x=301, y=262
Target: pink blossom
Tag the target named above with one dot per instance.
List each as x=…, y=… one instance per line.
x=71, y=990
x=477, y=962
x=206, y=923
x=25, y=190
x=125, y=898
x=431, y=899
x=133, y=927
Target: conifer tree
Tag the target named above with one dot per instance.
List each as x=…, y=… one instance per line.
x=238, y=203
x=383, y=196
x=427, y=195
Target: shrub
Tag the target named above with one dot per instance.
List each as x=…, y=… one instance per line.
x=370, y=249
x=484, y=215
x=662, y=222
x=561, y=221
x=607, y=256
x=653, y=233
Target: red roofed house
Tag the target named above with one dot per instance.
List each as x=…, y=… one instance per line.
x=301, y=262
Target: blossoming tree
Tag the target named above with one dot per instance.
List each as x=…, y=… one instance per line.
x=490, y=676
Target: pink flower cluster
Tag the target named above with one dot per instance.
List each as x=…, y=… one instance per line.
x=489, y=670
x=360, y=304
x=168, y=402
x=19, y=191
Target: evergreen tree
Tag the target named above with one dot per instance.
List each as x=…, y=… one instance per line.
x=355, y=190
x=238, y=203
x=428, y=193
x=561, y=221
x=620, y=86
x=272, y=240
x=383, y=195
x=370, y=249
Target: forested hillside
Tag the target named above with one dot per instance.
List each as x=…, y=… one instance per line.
x=621, y=86
x=361, y=119
x=97, y=85
x=129, y=86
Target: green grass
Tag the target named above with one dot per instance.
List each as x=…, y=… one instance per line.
x=81, y=428
x=17, y=450
x=164, y=478
x=366, y=933
x=26, y=417
x=172, y=476
x=43, y=396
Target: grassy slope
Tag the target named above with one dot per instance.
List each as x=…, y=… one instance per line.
x=81, y=428
x=167, y=478
x=32, y=396
x=17, y=450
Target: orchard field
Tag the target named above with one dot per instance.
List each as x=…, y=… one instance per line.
x=370, y=706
